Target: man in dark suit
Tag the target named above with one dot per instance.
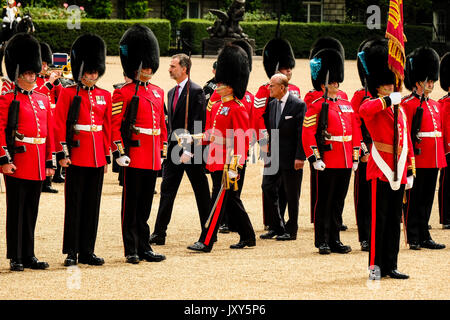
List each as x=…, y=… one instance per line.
x=186, y=114
x=283, y=168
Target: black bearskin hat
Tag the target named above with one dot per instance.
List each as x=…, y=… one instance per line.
x=46, y=53
x=89, y=49
x=444, y=72
x=233, y=69
x=360, y=60
x=138, y=44
x=328, y=43
x=247, y=48
x=375, y=56
x=24, y=50
x=324, y=61
x=277, y=54
x=421, y=64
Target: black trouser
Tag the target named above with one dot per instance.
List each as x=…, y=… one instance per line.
x=290, y=180
x=83, y=192
x=444, y=194
x=227, y=217
x=282, y=203
x=137, y=198
x=172, y=176
x=385, y=225
x=332, y=187
x=22, y=199
x=230, y=202
x=419, y=204
x=361, y=193
x=312, y=190
x=47, y=183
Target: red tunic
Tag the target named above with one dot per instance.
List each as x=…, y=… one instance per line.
x=379, y=117
x=432, y=145
x=343, y=128
x=357, y=101
x=445, y=116
x=150, y=116
x=313, y=95
x=95, y=111
x=45, y=87
x=34, y=122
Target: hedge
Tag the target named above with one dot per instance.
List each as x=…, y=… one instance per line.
x=303, y=35
x=60, y=38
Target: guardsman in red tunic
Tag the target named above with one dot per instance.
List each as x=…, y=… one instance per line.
x=84, y=148
x=331, y=141
x=277, y=57
x=140, y=160
x=424, y=122
x=310, y=97
x=361, y=187
x=444, y=178
x=387, y=193
x=228, y=146
x=27, y=149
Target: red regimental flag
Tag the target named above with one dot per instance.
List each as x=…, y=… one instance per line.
x=397, y=39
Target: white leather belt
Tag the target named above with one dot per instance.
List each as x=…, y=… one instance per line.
x=149, y=131
x=32, y=140
x=431, y=134
x=88, y=128
x=339, y=138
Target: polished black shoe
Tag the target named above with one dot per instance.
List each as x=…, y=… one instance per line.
x=268, y=235
x=15, y=265
x=90, y=259
x=266, y=228
x=224, y=229
x=243, y=243
x=324, y=248
x=430, y=244
x=446, y=226
x=339, y=247
x=395, y=274
x=198, y=246
x=413, y=245
x=430, y=227
x=286, y=237
x=58, y=179
x=364, y=245
x=132, y=258
x=49, y=189
x=34, y=263
x=71, y=260
x=151, y=256
x=343, y=227
x=158, y=240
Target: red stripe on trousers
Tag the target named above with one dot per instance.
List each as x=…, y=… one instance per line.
x=374, y=222
x=212, y=226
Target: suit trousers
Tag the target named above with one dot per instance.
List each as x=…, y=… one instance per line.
x=419, y=204
x=83, y=192
x=22, y=205
x=361, y=196
x=137, y=198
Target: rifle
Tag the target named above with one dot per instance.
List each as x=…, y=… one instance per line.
x=13, y=124
x=322, y=125
x=128, y=124
x=187, y=96
x=365, y=133
x=72, y=118
x=417, y=123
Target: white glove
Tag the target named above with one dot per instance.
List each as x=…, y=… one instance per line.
x=396, y=97
x=232, y=174
x=409, y=182
x=319, y=165
x=123, y=161
x=186, y=138
x=355, y=166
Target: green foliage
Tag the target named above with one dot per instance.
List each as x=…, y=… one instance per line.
x=44, y=3
x=174, y=10
x=302, y=35
x=95, y=9
x=50, y=13
x=60, y=38
x=257, y=15
x=137, y=9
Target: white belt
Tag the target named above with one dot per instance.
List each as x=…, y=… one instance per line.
x=32, y=140
x=431, y=134
x=339, y=138
x=150, y=132
x=87, y=127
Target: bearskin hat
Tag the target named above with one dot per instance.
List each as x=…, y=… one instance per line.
x=138, y=44
x=444, y=72
x=376, y=62
x=277, y=54
x=247, y=48
x=326, y=61
x=233, y=69
x=89, y=49
x=329, y=43
x=421, y=64
x=46, y=53
x=360, y=60
x=23, y=50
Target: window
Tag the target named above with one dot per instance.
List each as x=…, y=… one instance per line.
x=193, y=9
x=313, y=11
x=439, y=26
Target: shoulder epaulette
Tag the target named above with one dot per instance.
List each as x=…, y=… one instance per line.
x=239, y=102
x=119, y=85
x=9, y=91
x=407, y=98
x=445, y=97
x=316, y=100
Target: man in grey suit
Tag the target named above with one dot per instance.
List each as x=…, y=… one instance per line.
x=285, y=158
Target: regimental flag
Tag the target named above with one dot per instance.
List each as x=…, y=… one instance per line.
x=397, y=39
